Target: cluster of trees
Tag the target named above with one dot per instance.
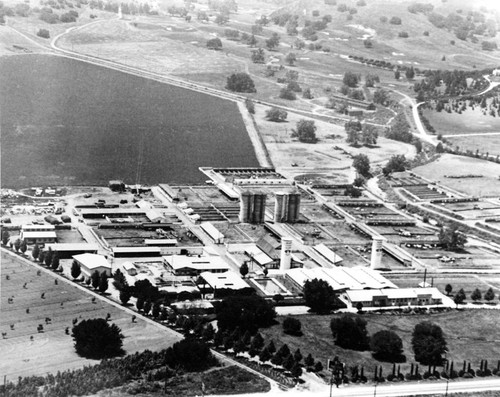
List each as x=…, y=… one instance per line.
x=399, y=129
x=361, y=164
x=451, y=239
x=428, y=342
x=276, y=114
x=476, y=295
x=357, y=133
x=397, y=163
x=483, y=102
x=305, y=131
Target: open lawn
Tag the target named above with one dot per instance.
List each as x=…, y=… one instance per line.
x=469, y=122
x=52, y=350
x=453, y=165
x=65, y=115
x=487, y=143
x=473, y=342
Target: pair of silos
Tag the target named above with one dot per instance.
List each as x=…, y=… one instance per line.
x=252, y=207
x=287, y=207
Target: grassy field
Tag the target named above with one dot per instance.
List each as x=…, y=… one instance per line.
x=469, y=122
x=487, y=143
x=475, y=341
x=52, y=350
x=64, y=115
x=453, y=165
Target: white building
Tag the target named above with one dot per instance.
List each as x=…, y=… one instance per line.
x=89, y=263
x=183, y=265
x=395, y=297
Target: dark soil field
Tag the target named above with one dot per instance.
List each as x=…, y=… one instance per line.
x=28, y=352
x=65, y=122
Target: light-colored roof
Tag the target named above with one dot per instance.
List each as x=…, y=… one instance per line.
x=111, y=211
x=393, y=293
x=37, y=227
x=327, y=253
x=154, y=215
x=92, y=261
x=135, y=249
x=212, y=231
x=227, y=279
x=143, y=204
x=39, y=235
x=256, y=253
x=72, y=247
x=177, y=262
x=128, y=266
x=231, y=193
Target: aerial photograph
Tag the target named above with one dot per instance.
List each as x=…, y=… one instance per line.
x=260, y=198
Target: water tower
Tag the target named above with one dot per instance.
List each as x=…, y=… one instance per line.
x=376, y=258
x=286, y=253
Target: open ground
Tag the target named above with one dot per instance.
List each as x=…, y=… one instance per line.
x=52, y=350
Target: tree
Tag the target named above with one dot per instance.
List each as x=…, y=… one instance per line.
x=292, y=326
x=451, y=238
x=381, y=97
x=125, y=295
x=305, y=131
x=293, y=86
x=250, y=105
x=76, y=270
x=214, y=44
x=349, y=332
x=352, y=129
x=291, y=58
x=361, y=164
x=288, y=362
x=351, y=79
x=448, y=289
x=288, y=94
x=247, y=312
x=252, y=41
x=387, y=346
x=410, y=73
x=35, y=252
x=276, y=114
x=190, y=355
x=139, y=303
x=23, y=247
x=94, y=277
x=319, y=296
x=240, y=82
x=244, y=269
x=428, y=343
x=307, y=94
x=5, y=237
x=273, y=41
x=318, y=367
x=97, y=339
x=55, y=261
x=296, y=370
x=476, y=295
x=369, y=135
x=309, y=360
x=489, y=295
x=147, y=307
x=397, y=163
x=264, y=355
x=17, y=244
x=258, y=56
x=103, y=282
x=221, y=19
x=119, y=280
x=459, y=297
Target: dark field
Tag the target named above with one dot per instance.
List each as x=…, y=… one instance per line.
x=65, y=122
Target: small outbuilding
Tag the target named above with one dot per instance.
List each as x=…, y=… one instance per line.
x=89, y=263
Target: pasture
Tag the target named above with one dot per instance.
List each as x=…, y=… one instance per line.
x=451, y=165
x=487, y=143
x=66, y=122
x=474, y=342
x=470, y=121
x=28, y=352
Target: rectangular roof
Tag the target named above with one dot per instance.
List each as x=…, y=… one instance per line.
x=111, y=211
x=256, y=253
x=37, y=227
x=212, y=231
x=160, y=241
x=327, y=253
x=92, y=261
x=39, y=235
x=72, y=247
x=135, y=249
x=227, y=279
x=231, y=193
x=177, y=262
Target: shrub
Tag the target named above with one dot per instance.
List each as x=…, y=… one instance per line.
x=395, y=21
x=292, y=326
x=96, y=338
x=43, y=33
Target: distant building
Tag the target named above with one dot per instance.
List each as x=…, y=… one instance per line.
x=215, y=281
x=39, y=237
x=68, y=250
x=183, y=265
x=395, y=297
x=287, y=207
x=252, y=207
x=89, y=263
x=216, y=236
x=37, y=228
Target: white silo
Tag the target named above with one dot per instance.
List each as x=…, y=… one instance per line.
x=376, y=258
x=286, y=253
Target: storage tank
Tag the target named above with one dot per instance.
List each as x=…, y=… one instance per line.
x=293, y=211
x=245, y=206
x=259, y=208
x=286, y=253
x=279, y=206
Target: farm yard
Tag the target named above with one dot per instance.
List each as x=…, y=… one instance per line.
x=25, y=351
x=160, y=134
